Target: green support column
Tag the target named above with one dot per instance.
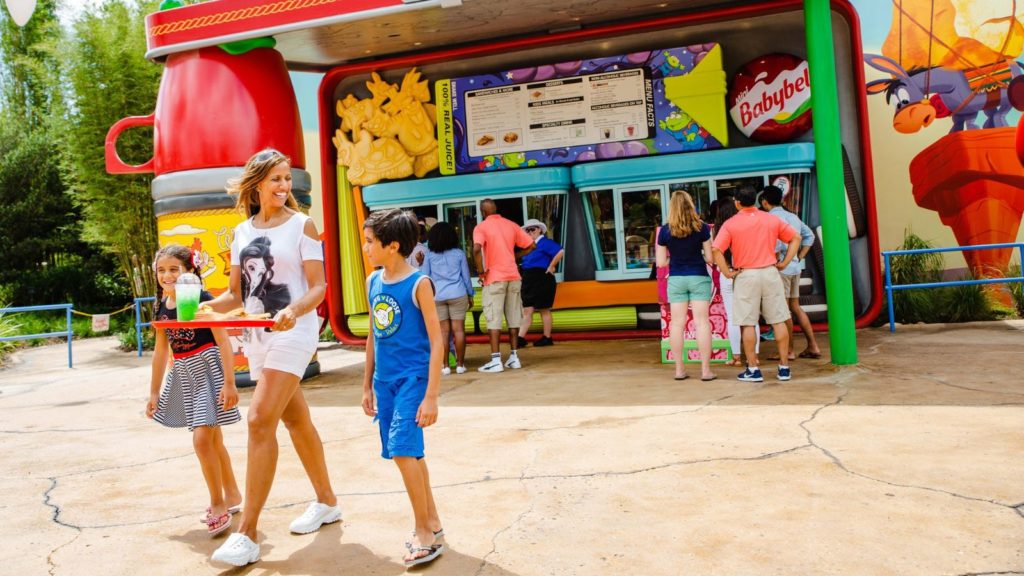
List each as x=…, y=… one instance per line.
x=825, y=112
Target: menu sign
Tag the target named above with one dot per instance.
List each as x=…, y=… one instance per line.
x=582, y=110
x=608, y=107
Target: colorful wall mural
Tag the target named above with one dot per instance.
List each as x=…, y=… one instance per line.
x=941, y=80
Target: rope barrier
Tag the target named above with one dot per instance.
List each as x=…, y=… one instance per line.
x=128, y=307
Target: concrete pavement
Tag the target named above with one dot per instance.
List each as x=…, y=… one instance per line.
x=589, y=460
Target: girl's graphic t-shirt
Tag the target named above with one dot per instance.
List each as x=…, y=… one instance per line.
x=272, y=273
x=185, y=340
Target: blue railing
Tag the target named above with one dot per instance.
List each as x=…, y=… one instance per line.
x=65, y=334
x=139, y=324
x=889, y=287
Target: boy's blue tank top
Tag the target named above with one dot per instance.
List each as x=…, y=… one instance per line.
x=401, y=347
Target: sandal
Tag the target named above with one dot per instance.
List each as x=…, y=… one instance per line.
x=216, y=525
x=736, y=363
x=809, y=354
x=231, y=510
x=430, y=553
x=412, y=535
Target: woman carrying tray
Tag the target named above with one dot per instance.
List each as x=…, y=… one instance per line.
x=276, y=268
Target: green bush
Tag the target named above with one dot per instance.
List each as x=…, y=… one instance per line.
x=1016, y=289
x=930, y=305
x=328, y=334
x=128, y=343
x=8, y=327
x=915, y=305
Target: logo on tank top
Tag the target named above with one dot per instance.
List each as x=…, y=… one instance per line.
x=387, y=315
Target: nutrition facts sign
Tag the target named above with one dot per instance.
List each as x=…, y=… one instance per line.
x=563, y=112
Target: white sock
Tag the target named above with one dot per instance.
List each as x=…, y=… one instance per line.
x=514, y=354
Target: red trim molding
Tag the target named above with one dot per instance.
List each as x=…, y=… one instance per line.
x=209, y=20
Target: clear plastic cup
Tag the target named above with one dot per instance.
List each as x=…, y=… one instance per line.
x=186, y=293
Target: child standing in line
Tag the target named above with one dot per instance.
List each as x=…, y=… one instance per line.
x=403, y=367
x=199, y=391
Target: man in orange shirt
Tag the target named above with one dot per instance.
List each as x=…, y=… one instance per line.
x=494, y=250
x=751, y=235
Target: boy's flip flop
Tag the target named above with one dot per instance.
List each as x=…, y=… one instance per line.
x=432, y=552
x=809, y=354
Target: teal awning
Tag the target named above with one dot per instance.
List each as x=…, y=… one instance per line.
x=773, y=158
x=500, y=183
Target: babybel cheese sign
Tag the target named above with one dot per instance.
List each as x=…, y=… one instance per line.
x=770, y=98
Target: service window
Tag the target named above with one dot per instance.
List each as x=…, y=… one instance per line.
x=600, y=207
x=623, y=223
x=701, y=193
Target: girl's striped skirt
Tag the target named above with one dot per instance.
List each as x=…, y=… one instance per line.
x=189, y=395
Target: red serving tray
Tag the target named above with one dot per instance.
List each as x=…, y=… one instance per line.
x=230, y=323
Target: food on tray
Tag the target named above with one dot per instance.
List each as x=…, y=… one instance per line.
x=237, y=313
x=485, y=140
x=511, y=137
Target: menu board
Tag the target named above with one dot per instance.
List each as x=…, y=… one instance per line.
x=609, y=107
x=652, y=102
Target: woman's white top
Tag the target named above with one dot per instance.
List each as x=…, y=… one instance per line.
x=270, y=262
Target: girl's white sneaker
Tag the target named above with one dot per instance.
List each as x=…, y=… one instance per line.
x=460, y=369
x=446, y=371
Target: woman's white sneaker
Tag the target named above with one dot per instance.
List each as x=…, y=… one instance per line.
x=237, y=550
x=314, y=517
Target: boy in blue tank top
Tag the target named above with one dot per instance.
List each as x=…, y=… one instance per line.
x=403, y=367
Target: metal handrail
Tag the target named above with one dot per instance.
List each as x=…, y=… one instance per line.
x=139, y=324
x=889, y=287
x=67, y=333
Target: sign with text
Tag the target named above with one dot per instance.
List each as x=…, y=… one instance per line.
x=583, y=110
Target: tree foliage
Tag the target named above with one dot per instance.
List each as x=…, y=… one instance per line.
x=108, y=79
x=45, y=259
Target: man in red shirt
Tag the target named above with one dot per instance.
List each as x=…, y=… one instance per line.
x=751, y=235
x=494, y=251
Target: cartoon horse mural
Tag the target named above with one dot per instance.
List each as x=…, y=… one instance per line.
x=923, y=94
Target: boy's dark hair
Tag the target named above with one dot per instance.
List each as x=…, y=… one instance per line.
x=395, y=225
x=746, y=196
x=442, y=238
x=772, y=195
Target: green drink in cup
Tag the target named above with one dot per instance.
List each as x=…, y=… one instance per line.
x=186, y=293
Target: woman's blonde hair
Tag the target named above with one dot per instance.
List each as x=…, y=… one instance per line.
x=245, y=187
x=682, y=215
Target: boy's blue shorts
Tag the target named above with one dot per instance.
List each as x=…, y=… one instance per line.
x=397, y=403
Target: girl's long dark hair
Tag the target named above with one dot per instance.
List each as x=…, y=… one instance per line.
x=183, y=254
x=442, y=238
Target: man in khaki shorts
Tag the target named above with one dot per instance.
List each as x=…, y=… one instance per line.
x=494, y=251
x=771, y=201
x=751, y=235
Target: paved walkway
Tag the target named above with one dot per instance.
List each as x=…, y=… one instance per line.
x=590, y=460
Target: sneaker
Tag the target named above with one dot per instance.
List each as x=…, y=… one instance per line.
x=513, y=362
x=493, y=366
x=460, y=369
x=544, y=341
x=446, y=371
x=784, y=373
x=521, y=342
x=314, y=517
x=237, y=550
x=749, y=375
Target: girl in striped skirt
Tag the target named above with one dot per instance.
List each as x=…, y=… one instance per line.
x=199, y=390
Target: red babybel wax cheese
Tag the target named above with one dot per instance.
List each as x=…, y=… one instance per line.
x=770, y=98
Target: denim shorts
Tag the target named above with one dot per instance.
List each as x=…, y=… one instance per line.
x=689, y=289
x=397, y=404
